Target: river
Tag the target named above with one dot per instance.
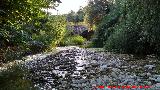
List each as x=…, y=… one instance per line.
x=74, y=68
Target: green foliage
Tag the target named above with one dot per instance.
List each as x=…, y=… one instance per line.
x=53, y=32
x=13, y=53
x=14, y=78
x=95, y=11
x=72, y=40
x=22, y=11
x=76, y=17
x=138, y=24
x=11, y=35
x=23, y=21
x=116, y=41
x=70, y=16
x=132, y=27
x=80, y=15
x=58, y=24
x=106, y=28
x=87, y=44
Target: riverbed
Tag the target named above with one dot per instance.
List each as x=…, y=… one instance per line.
x=74, y=68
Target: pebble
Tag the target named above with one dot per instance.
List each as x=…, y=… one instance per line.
x=74, y=63
x=149, y=67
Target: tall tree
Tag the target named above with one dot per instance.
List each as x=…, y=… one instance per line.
x=138, y=32
x=15, y=15
x=96, y=10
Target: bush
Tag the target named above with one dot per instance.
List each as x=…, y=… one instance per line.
x=114, y=42
x=134, y=29
x=53, y=32
x=78, y=40
x=88, y=44
x=15, y=78
x=12, y=53
x=105, y=28
x=36, y=47
x=73, y=40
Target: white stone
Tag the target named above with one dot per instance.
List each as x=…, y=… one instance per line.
x=149, y=67
x=113, y=74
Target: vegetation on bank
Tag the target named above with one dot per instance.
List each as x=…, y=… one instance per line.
x=26, y=29
x=73, y=40
x=15, y=78
x=131, y=26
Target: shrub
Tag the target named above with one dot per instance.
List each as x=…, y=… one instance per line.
x=134, y=29
x=78, y=40
x=15, y=78
x=36, y=47
x=114, y=42
x=87, y=44
x=105, y=28
x=73, y=40
x=12, y=53
x=53, y=32
x=139, y=29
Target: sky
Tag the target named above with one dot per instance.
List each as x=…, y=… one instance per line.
x=67, y=5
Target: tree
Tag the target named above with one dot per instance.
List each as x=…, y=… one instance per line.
x=76, y=17
x=71, y=16
x=80, y=15
x=95, y=11
x=19, y=19
x=22, y=11
x=138, y=32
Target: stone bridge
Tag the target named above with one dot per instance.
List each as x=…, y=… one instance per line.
x=80, y=30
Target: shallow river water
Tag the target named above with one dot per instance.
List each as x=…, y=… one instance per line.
x=74, y=68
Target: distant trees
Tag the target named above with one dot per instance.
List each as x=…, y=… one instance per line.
x=95, y=11
x=71, y=16
x=76, y=17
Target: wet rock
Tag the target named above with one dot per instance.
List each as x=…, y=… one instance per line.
x=124, y=67
x=63, y=67
x=79, y=81
x=113, y=74
x=148, y=83
x=116, y=70
x=149, y=74
x=149, y=67
x=103, y=66
x=156, y=86
x=157, y=79
x=94, y=65
x=78, y=69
